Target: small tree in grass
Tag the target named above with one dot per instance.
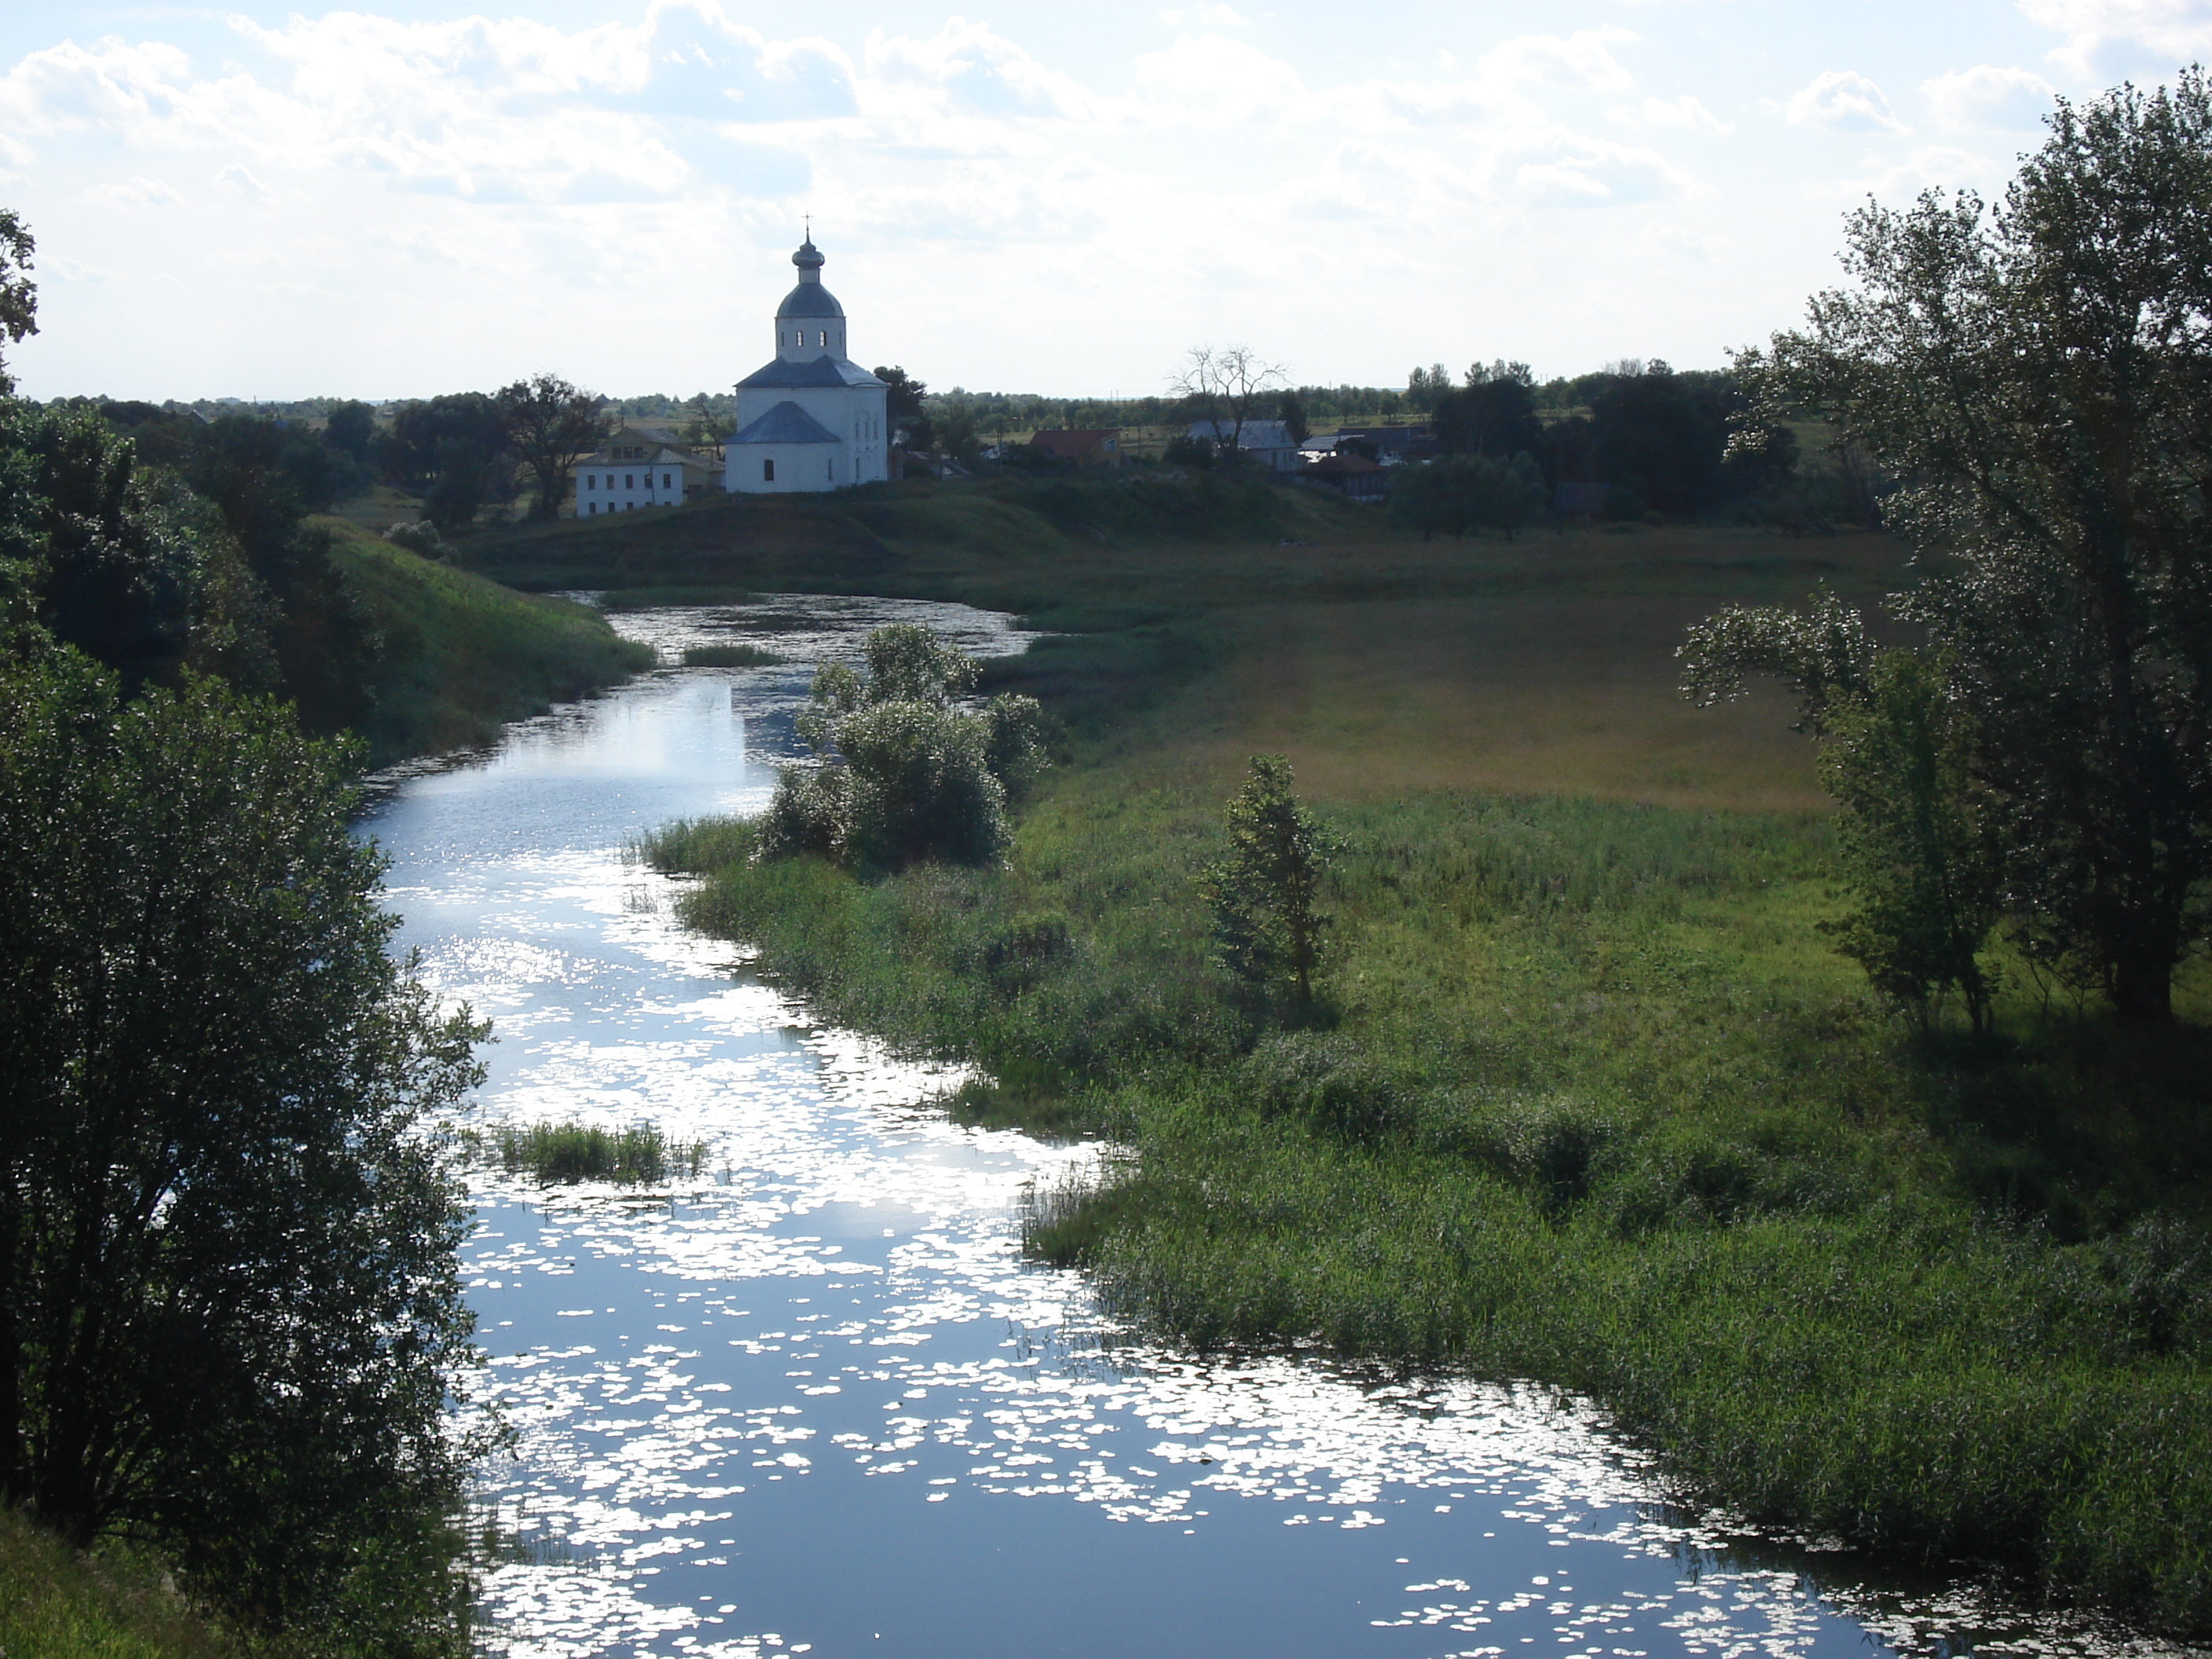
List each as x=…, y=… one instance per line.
x=1915, y=852
x=1267, y=923
x=1896, y=752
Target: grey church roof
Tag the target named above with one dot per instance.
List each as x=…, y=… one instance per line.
x=809, y=300
x=822, y=371
x=786, y=423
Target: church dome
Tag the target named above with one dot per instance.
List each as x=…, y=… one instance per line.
x=809, y=298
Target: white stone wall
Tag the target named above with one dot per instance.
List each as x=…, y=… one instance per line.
x=799, y=468
x=627, y=486
x=855, y=414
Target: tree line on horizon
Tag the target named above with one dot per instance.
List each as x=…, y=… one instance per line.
x=1658, y=440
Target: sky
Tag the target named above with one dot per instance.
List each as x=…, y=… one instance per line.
x=260, y=202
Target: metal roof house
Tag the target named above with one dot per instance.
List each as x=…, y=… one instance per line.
x=810, y=419
x=1268, y=442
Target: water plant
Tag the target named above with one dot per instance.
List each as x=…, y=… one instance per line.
x=570, y=1151
x=730, y=656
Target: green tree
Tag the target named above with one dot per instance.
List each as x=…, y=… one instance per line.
x=905, y=775
x=113, y=556
x=1509, y=494
x=19, y=294
x=231, y=1320
x=1914, y=847
x=352, y=426
x=325, y=642
x=902, y=408
x=1267, y=922
x=1425, y=386
x=959, y=439
x=453, y=451
x=550, y=423
x=1493, y=415
x=1294, y=418
x=2041, y=375
x=1896, y=750
x=1423, y=497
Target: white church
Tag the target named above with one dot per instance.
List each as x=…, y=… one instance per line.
x=812, y=419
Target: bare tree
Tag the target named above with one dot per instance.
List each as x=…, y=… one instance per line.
x=549, y=422
x=1226, y=382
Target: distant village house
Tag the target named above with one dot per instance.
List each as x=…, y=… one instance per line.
x=644, y=466
x=1101, y=447
x=1268, y=442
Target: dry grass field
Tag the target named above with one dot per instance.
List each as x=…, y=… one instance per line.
x=1544, y=667
x=1379, y=662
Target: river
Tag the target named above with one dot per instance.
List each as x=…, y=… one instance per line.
x=812, y=1401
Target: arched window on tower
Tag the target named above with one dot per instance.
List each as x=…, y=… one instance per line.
x=767, y=471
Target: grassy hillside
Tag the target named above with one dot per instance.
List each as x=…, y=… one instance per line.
x=54, y=1606
x=462, y=654
x=1589, y=1098
x=898, y=537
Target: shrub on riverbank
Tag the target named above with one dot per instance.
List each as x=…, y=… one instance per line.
x=905, y=777
x=1590, y=1101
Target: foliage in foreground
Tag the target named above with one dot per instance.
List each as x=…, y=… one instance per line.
x=232, y=1323
x=1586, y=1099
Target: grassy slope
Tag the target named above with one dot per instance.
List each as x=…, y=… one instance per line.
x=1591, y=1101
x=462, y=654
x=54, y=1606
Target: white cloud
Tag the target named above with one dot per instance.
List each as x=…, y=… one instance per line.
x=966, y=71
x=1209, y=80
x=1684, y=112
x=2180, y=29
x=1941, y=165
x=466, y=190
x=1843, y=101
x=240, y=178
x=137, y=193
x=1582, y=172
x=1987, y=97
x=1203, y=17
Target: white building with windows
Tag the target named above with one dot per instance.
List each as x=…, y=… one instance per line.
x=627, y=474
x=812, y=419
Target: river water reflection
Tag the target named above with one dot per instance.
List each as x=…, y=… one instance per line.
x=813, y=1402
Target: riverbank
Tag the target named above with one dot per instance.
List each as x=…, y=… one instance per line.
x=459, y=655
x=1590, y=1099
x=55, y=1604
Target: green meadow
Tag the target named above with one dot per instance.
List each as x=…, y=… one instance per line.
x=1588, y=1098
